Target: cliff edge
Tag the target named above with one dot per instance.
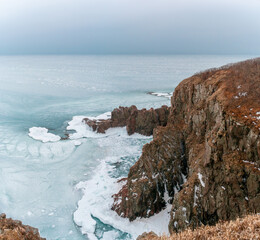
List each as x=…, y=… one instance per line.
x=206, y=160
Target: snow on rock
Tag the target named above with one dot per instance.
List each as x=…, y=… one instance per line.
x=201, y=181
x=42, y=134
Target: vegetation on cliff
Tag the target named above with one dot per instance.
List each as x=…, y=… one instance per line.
x=242, y=228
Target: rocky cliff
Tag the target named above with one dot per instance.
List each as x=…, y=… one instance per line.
x=14, y=230
x=206, y=160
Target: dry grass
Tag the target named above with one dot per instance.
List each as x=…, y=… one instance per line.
x=240, y=229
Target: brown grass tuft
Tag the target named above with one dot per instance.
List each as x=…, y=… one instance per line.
x=241, y=229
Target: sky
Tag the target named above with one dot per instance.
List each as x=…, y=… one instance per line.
x=129, y=27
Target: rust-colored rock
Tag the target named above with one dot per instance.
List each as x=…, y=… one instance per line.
x=14, y=230
x=206, y=161
x=140, y=121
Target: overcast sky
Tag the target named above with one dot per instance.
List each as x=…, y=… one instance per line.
x=129, y=26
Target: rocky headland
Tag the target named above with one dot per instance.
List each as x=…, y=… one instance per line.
x=205, y=155
x=14, y=230
x=136, y=121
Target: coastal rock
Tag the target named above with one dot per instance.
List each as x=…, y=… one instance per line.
x=136, y=121
x=14, y=230
x=206, y=160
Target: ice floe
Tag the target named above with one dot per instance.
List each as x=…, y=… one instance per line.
x=42, y=134
x=158, y=94
x=77, y=142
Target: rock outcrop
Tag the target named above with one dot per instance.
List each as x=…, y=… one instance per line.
x=136, y=121
x=14, y=230
x=206, y=160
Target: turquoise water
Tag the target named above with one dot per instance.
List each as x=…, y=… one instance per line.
x=38, y=180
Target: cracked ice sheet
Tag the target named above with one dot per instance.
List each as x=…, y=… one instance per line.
x=97, y=202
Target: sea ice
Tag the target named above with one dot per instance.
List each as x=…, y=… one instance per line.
x=42, y=134
x=97, y=202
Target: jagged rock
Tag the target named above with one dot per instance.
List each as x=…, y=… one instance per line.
x=140, y=121
x=14, y=230
x=212, y=140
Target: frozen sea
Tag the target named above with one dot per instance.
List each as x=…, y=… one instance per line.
x=64, y=187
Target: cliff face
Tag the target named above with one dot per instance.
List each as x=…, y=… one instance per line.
x=206, y=161
x=14, y=230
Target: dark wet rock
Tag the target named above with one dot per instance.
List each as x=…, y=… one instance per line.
x=206, y=160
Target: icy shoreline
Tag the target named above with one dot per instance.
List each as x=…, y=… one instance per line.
x=97, y=192
x=97, y=201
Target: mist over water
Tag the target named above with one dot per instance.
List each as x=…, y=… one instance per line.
x=39, y=181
